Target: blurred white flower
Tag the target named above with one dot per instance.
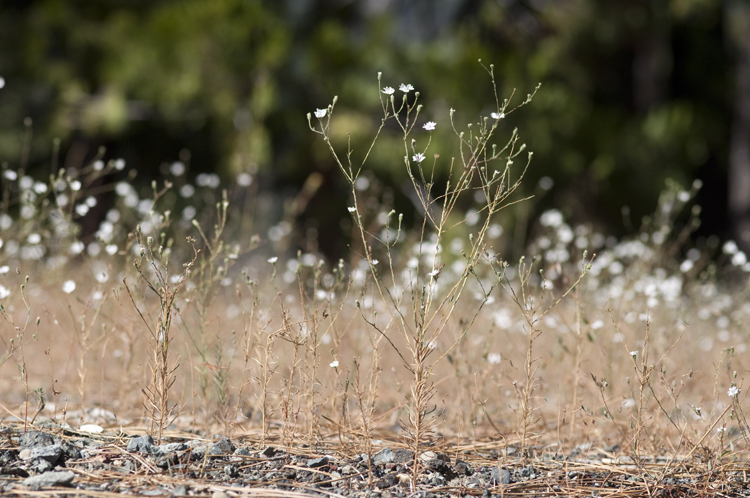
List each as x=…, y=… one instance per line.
x=177, y=168
x=432, y=344
x=405, y=88
x=75, y=185
x=4, y=292
x=634, y=353
x=730, y=247
x=388, y=90
x=2, y=82
x=494, y=358
x=40, y=188
x=321, y=113
x=98, y=165
x=111, y=249
x=244, y=180
x=733, y=391
x=273, y=260
x=77, y=247
x=375, y=262
x=434, y=273
x=351, y=209
x=418, y=157
x=69, y=286
x=11, y=175
x=34, y=238
x=334, y=364
x=597, y=325
x=551, y=218
x=119, y=164
x=429, y=125
x=4, y=269
x=496, y=115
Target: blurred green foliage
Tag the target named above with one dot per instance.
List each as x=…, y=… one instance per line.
x=634, y=91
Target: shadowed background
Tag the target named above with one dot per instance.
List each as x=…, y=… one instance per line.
x=633, y=92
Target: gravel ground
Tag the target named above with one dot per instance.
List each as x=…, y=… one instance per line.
x=45, y=463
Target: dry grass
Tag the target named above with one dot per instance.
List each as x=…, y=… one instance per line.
x=182, y=322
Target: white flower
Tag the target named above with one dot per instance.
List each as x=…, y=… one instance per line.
x=119, y=164
x=434, y=273
x=351, y=209
x=429, y=125
x=634, y=353
x=405, y=88
x=11, y=175
x=75, y=185
x=4, y=292
x=4, y=269
x=375, y=262
x=733, y=391
x=388, y=90
x=69, y=286
x=273, y=260
x=320, y=113
x=494, y=358
x=432, y=344
x=418, y=157
x=496, y=115
x=111, y=249
x=334, y=364
x=2, y=82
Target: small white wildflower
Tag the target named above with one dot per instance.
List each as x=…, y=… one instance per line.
x=351, y=209
x=429, y=125
x=320, y=113
x=388, y=90
x=597, y=325
x=4, y=292
x=334, y=364
x=119, y=164
x=98, y=165
x=496, y=115
x=77, y=247
x=4, y=269
x=434, y=273
x=244, y=180
x=375, y=262
x=273, y=260
x=34, y=238
x=730, y=247
x=418, y=157
x=494, y=358
x=733, y=391
x=432, y=344
x=69, y=286
x=2, y=82
x=111, y=249
x=634, y=353
x=11, y=175
x=405, y=88
x=75, y=186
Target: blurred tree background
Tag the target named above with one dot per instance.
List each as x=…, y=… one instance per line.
x=633, y=92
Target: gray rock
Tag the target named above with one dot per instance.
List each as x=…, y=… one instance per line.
x=50, y=453
x=499, y=477
x=70, y=452
x=317, y=462
x=402, y=455
x=141, y=444
x=383, y=456
x=33, y=439
x=168, y=449
x=180, y=490
x=242, y=451
x=49, y=479
x=222, y=447
x=268, y=452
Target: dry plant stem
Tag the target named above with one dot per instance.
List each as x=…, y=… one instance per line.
x=429, y=319
x=84, y=333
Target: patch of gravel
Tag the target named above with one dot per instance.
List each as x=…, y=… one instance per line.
x=135, y=465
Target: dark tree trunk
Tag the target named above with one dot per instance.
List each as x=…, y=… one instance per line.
x=739, y=148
